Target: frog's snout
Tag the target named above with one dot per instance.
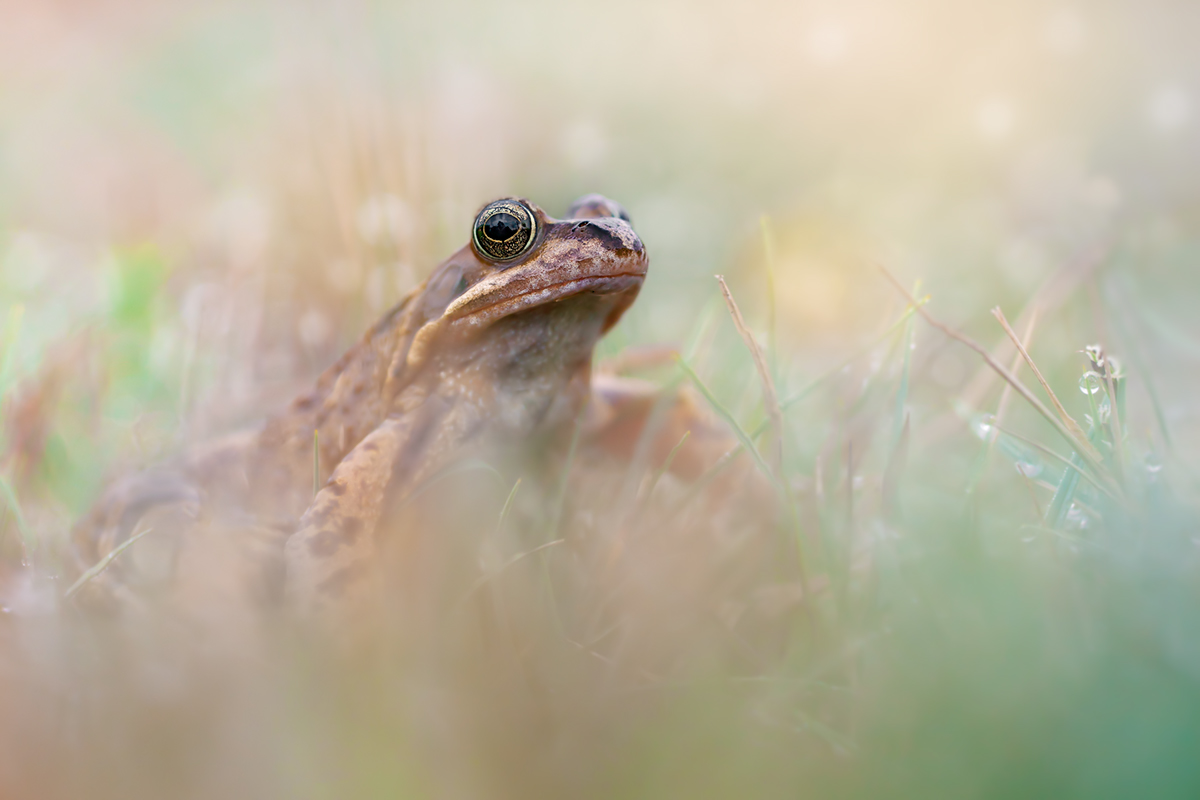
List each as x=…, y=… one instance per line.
x=605, y=220
x=614, y=233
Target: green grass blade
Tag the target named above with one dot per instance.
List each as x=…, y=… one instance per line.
x=743, y=438
x=103, y=563
x=902, y=392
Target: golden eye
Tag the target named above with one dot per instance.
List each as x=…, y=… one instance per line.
x=504, y=230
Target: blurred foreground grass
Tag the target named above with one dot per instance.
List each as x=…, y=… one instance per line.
x=199, y=211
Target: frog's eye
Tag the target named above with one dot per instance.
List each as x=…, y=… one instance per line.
x=504, y=230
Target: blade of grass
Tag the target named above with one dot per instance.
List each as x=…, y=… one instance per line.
x=1083, y=446
x=1007, y=391
x=1056, y=514
x=816, y=382
x=1067, y=419
x=770, y=398
x=1070, y=464
x=483, y=580
x=1114, y=420
x=742, y=437
x=777, y=482
x=901, y=419
x=103, y=563
x=812, y=386
x=1053, y=292
x=1037, y=507
x=508, y=501
x=666, y=465
x=1001, y=408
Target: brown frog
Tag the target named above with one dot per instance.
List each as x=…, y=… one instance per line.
x=496, y=346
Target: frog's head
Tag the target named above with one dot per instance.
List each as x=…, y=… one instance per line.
x=524, y=258
x=520, y=259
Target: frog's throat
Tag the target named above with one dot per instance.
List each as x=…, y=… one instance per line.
x=423, y=343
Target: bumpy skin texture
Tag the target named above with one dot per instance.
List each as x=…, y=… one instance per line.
x=481, y=352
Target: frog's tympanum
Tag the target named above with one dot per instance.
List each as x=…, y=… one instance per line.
x=496, y=346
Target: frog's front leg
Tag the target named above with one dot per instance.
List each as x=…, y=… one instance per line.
x=330, y=559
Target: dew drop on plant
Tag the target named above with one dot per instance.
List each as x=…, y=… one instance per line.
x=1153, y=466
x=981, y=425
x=1029, y=469
x=1090, y=382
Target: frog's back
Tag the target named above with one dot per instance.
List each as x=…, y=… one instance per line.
x=253, y=481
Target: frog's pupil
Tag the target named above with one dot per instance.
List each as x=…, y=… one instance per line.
x=504, y=230
x=501, y=227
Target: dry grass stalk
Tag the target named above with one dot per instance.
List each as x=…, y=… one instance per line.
x=770, y=398
x=1006, y=394
x=1080, y=444
x=1050, y=296
x=1067, y=419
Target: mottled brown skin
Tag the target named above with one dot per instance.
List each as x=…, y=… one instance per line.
x=480, y=353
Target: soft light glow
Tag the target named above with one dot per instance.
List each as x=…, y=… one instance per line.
x=1064, y=32
x=827, y=43
x=1170, y=108
x=995, y=118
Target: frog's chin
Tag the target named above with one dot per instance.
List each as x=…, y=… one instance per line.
x=626, y=284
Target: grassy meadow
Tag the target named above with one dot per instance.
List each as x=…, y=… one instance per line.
x=966, y=578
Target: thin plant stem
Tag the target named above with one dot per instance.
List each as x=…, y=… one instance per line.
x=1089, y=452
x=770, y=397
x=103, y=563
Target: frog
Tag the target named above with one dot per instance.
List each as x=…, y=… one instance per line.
x=496, y=346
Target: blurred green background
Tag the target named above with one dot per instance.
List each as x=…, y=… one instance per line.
x=202, y=205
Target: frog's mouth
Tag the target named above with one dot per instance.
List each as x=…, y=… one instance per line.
x=621, y=283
